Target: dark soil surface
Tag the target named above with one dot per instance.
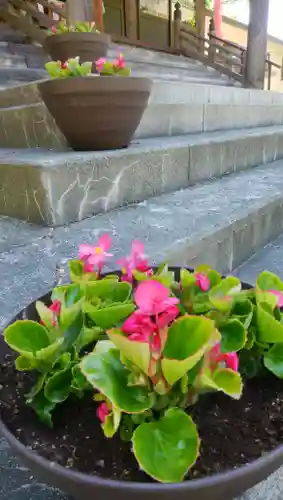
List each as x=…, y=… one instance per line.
x=233, y=433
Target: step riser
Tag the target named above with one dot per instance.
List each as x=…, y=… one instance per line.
x=72, y=186
x=36, y=128
x=166, y=93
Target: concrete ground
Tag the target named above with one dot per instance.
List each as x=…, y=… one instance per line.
x=28, y=257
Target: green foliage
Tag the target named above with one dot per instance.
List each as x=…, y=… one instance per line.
x=78, y=27
x=183, y=339
x=70, y=68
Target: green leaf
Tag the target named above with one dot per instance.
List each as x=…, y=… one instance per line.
x=45, y=314
x=109, y=316
x=136, y=352
x=49, y=352
x=88, y=336
x=224, y=380
x=76, y=270
x=269, y=281
x=72, y=333
x=23, y=364
x=243, y=310
x=221, y=295
x=104, y=346
x=187, y=279
x=167, y=448
x=233, y=336
x=26, y=337
x=108, y=289
x=57, y=387
x=273, y=360
x=43, y=407
x=268, y=328
x=36, y=388
x=105, y=372
x=112, y=422
x=188, y=339
x=78, y=379
x=187, y=335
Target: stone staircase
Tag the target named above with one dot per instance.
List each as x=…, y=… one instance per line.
x=21, y=61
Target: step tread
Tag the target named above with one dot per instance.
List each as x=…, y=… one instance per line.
x=49, y=158
x=268, y=258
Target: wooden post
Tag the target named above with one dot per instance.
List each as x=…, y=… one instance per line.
x=200, y=22
x=177, y=26
x=257, y=43
x=212, y=41
x=98, y=14
x=131, y=19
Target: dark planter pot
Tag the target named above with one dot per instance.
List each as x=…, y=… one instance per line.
x=88, y=46
x=97, y=112
x=225, y=486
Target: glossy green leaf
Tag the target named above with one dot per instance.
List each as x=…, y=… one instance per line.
x=221, y=295
x=269, y=281
x=112, y=422
x=167, y=448
x=45, y=314
x=78, y=379
x=186, y=336
x=136, y=352
x=26, y=337
x=76, y=270
x=88, y=336
x=105, y=372
x=109, y=290
x=268, y=328
x=72, y=333
x=273, y=360
x=48, y=353
x=23, y=364
x=243, y=310
x=104, y=346
x=224, y=380
x=188, y=339
x=37, y=387
x=233, y=336
x=187, y=279
x=109, y=317
x=57, y=387
x=43, y=407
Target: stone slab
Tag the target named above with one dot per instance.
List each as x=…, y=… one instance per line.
x=32, y=126
x=164, y=92
x=54, y=188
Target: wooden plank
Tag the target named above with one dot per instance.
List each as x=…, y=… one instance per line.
x=131, y=17
x=24, y=25
x=98, y=14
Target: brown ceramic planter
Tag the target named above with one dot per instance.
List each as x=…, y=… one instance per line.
x=88, y=46
x=224, y=486
x=97, y=112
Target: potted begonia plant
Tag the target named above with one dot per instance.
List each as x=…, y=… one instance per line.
x=113, y=383
x=95, y=112
x=82, y=39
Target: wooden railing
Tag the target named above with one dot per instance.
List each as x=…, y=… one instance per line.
x=227, y=57
x=33, y=17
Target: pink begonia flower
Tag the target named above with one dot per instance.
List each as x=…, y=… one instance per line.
x=141, y=328
x=202, y=281
x=216, y=357
x=279, y=296
x=152, y=298
x=120, y=63
x=135, y=261
x=100, y=64
x=54, y=29
x=95, y=256
x=167, y=317
x=102, y=412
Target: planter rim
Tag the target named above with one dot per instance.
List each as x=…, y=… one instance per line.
x=81, y=34
x=95, y=77
x=189, y=485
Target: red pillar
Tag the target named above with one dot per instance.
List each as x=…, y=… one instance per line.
x=218, y=17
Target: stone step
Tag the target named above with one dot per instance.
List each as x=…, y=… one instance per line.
x=267, y=258
x=165, y=92
x=54, y=188
x=11, y=76
x=36, y=128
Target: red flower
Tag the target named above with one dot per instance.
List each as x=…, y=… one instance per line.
x=153, y=298
x=95, y=256
x=56, y=309
x=202, y=281
x=135, y=261
x=229, y=360
x=102, y=412
x=53, y=29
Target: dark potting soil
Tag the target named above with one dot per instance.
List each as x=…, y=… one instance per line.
x=232, y=433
